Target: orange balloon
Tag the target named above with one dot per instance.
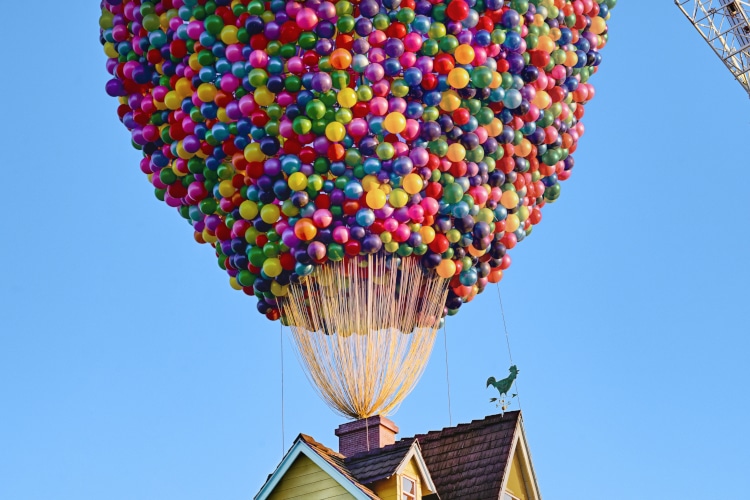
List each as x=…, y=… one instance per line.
x=305, y=230
x=495, y=276
x=446, y=268
x=340, y=59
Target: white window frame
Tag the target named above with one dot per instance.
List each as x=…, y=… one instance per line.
x=408, y=495
x=508, y=496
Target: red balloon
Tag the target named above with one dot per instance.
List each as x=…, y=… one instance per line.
x=458, y=10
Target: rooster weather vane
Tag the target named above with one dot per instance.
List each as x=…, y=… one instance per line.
x=503, y=387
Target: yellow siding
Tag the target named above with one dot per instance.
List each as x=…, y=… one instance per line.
x=516, y=483
x=305, y=480
x=387, y=489
x=390, y=489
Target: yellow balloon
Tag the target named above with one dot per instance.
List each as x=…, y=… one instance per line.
x=509, y=200
x=228, y=35
x=453, y=235
x=183, y=88
x=208, y=237
x=375, y=199
x=335, y=132
x=110, y=50
x=272, y=267
x=464, y=53
x=347, y=98
x=542, y=100
x=263, y=96
x=598, y=25
x=193, y=62
x=398, y=198
x=370, y=182
x=297, y=181
x=253, y=153
x=248, y=210
x=458, y=78
x=413, y=183
x=546, y=44
x=226, y=188
x=497, y=80
x=523, y=213
x=391, y=246
x=206, y=92
x=446, y=268
x=428, y=234
x=475, y=252
x=279, y=290
x=270, y=213
x=172, y=100
x=524, y=148
x=233, y=283
x=494, y=128
x=450, y=101
x=395, y=122
x=511, y=223
x=456, y=152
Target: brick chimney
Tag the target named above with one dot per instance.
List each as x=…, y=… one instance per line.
x=365, y=434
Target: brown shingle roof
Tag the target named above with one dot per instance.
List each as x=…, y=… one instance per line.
x=468, y=461
x=374, y=465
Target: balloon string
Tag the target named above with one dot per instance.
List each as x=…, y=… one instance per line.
x=447, y=377
x=507, y=342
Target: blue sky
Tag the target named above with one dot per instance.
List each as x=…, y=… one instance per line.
x=129, y=369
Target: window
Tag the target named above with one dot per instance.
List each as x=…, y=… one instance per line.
x=408, y=489
x=508, y=496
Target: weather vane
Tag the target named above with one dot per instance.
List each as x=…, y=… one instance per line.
x=503, y=387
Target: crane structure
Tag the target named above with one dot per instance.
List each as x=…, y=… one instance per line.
x=725, y=26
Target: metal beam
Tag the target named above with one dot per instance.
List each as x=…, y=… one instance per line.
x=725, y=26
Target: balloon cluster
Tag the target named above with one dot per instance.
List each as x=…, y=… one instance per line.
x=290, y=134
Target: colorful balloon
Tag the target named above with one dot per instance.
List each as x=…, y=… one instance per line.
x=291, y=134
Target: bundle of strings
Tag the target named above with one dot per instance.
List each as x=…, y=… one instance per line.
x=364, y=330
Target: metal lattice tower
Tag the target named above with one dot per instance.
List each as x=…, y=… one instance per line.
x=725, y=26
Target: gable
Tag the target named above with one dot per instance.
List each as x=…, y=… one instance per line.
x=311, y=471
x=389, y=489
x=516, y=479
x=305, y=479
x=519, y=479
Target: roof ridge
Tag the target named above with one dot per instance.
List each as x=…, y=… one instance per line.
x=384, y=449
x=465, y=425
x=312, y=442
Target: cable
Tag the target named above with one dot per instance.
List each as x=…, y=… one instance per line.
x=507, y=341
x=447, y=377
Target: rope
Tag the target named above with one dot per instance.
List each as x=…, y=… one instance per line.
x=507, y=342
x=283, y=438
x=364, y=329
x=447, y=377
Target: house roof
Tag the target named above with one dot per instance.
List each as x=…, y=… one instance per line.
x=374, y=465
x=466, y=461
x=337, y=461
x=469, y=460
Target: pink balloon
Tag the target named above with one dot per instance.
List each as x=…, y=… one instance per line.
x=322, y=218
x=340, y=234
x=430, y=205
x=306, y=19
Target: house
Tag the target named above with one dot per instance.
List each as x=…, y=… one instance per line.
x=485, y=459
